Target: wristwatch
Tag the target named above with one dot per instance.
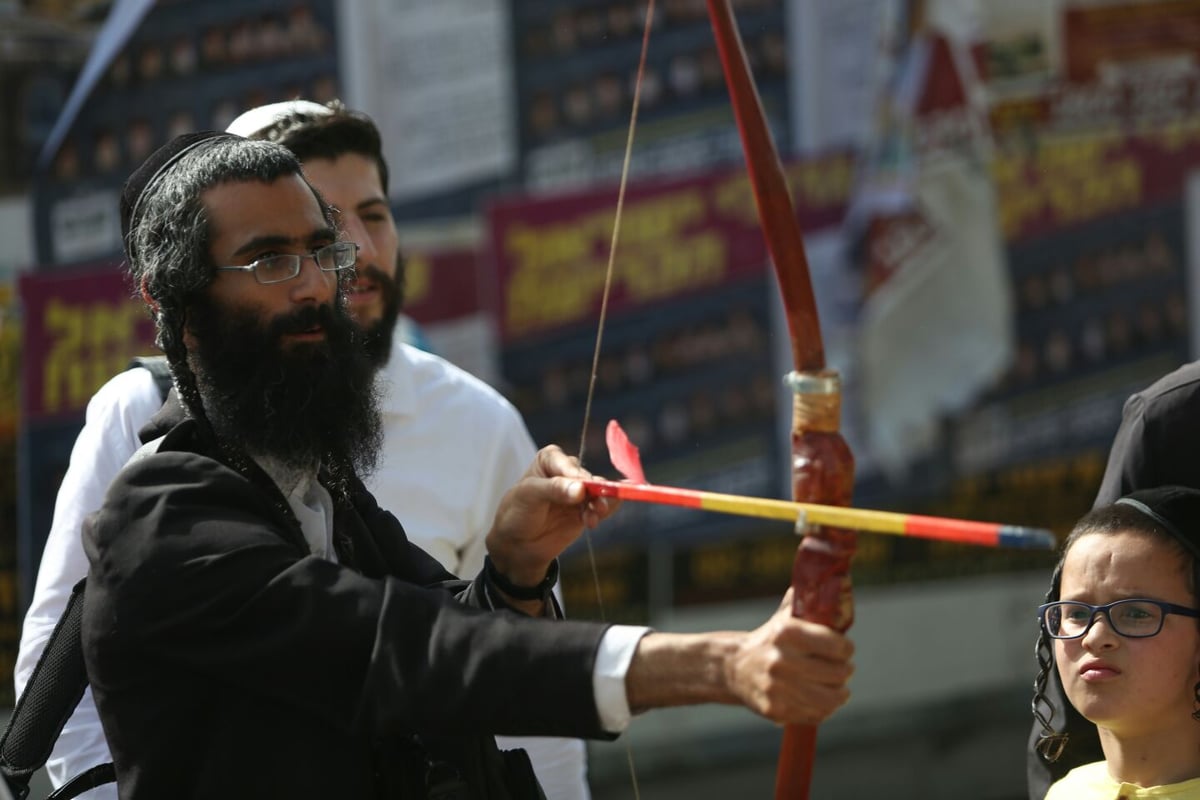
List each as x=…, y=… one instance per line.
x=537, y=592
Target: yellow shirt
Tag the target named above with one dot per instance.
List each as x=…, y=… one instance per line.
x=1092, y=782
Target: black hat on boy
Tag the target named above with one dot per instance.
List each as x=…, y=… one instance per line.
x=1175, y=508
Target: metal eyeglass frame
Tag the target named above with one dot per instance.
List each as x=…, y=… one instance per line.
x=338, y=251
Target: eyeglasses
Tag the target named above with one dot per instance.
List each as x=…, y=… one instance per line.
x=285, y=266
x=1134, y=618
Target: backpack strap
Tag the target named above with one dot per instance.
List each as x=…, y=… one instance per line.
x=89, y=779
x=59, y=681
x=54, y=689
x=159, y=368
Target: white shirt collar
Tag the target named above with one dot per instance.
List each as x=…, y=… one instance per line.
x=309, y=500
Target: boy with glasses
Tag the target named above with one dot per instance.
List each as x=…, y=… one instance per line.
x=1120, y=621
x=1160, y=430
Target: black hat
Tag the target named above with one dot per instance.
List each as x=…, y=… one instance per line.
x=152, y=169
x=1175, y=508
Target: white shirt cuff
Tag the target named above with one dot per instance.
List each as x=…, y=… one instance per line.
x=608, y=677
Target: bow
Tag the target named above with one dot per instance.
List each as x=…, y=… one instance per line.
x=822, y=465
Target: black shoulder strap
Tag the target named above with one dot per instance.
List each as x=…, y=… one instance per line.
x=54, y=689
x=158, y=367
x=89, y=779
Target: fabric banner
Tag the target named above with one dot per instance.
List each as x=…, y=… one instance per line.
x=936, y=322
x=940, y=328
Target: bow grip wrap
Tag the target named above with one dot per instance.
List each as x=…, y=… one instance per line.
x=822, y=471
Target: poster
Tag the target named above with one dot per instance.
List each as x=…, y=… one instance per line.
x=437, y=80
x=155, y=71
x=443, y=295
x=80, y=328
x=842, y=57
x=1132, y=40
x=575, y=73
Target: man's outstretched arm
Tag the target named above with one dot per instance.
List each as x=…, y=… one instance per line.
x=787, y=670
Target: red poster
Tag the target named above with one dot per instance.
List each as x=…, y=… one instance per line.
x=677, y=237
x=1113, y=40
x=441, y=285
x=10, y=358
x=80, y=329
x=1073, y=180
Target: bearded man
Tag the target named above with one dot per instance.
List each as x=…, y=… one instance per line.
x=255, y=625
x=232, y=559
x=431, y=410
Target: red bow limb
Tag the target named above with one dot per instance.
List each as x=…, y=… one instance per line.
x=823, y=467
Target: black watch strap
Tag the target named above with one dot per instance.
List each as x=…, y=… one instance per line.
x=539, y=592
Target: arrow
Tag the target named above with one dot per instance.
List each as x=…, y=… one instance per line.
x=946, y=529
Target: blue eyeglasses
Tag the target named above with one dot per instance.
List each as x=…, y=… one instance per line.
x=1135, y=618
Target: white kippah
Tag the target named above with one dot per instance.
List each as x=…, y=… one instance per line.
x=256, y=119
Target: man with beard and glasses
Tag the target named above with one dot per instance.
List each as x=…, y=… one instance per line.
x=432, y=413
x=256, y=626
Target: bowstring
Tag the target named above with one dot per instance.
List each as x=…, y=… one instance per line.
x=612, y=254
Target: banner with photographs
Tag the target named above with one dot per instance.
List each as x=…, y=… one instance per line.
x=183, y=67
x=158, y=70
x=575, y=68
x=1098, y=255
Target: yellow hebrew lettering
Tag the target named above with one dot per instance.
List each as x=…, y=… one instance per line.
x=538, y=298
x=674, y=266
x=109, y=337
x=61, y=376
x=544, y=247
x=734, y=198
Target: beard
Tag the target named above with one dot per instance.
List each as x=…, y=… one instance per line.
x=377, y=336
x=301, y=403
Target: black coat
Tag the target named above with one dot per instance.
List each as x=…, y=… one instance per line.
x=1158, y=444
x=226, y=661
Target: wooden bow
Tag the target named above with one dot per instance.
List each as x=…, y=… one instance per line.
x=822, y=465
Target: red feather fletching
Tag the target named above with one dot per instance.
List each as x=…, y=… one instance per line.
x=622, y=453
